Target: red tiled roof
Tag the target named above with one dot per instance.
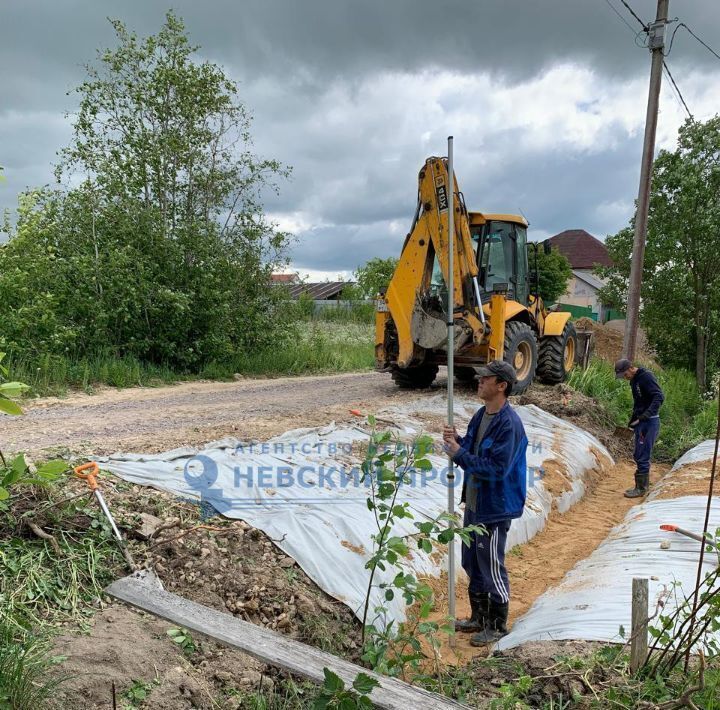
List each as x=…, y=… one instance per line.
x=581, y=249
x=284, y=278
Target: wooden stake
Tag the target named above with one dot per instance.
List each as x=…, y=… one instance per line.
x=639, y=632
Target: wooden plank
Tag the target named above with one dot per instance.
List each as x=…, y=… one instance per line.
x=639, y=632
x=145, y=592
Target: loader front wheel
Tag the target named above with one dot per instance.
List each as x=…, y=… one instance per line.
x=521, y=352
x=414, y=378
x=557, y=355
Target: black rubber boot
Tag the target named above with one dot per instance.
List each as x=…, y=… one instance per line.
x=479, y=603
x=642, y=483
x=496, y=627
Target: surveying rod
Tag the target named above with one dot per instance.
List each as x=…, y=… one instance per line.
x=451, y=371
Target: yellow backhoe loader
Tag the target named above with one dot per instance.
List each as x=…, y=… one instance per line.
x=498, y=314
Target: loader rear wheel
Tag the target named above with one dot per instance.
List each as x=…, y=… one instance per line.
x=415, y=378
x=465, y=374
x=521, y=352
x=557, y=355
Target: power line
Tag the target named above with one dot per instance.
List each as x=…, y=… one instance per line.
x=704, y=44
x=632, y=12
x=670, y=76
x=617, y=12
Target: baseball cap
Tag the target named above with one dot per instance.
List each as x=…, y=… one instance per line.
x=500, y=369
x=621, y=367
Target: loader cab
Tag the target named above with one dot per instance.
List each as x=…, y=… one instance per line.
x=501, y=247
x=500, y=243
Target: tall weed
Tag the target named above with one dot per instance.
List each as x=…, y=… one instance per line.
x=307, y=347
x=25, y=660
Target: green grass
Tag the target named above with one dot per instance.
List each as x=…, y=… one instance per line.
x=42, y=586
x=686, y=418
x=38, y=584
x=357, y=313
x=314, y=346
x=286, y=693
x=54, y=375
x=25, y=661
x=319, y=348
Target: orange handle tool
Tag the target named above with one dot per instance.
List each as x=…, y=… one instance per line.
x=92, y=470
x=682, y=531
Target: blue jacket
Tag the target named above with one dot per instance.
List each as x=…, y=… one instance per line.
x=500, y=469
x=647, y=395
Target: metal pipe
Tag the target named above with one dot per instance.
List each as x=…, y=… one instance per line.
x=451, y=369
x=706, y=524
x=479, y=299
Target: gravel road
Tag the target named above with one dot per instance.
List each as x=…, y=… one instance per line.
x=157, y=419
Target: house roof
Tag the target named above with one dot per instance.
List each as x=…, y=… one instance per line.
x=581, y=249
x=284, y=278
x=589, y=279
x=319, y=291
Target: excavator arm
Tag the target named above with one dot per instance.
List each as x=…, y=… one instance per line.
x=409, y=294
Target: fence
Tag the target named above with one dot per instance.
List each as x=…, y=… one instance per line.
x=576, y=311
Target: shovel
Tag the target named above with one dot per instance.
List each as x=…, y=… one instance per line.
x=623, y=433
x=89, y=473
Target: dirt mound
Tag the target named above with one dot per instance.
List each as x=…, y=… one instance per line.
x=133, y=651
x=608, y=341
x=226, y=565
x=583, y=411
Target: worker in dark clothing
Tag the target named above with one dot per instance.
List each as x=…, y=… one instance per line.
x=492, y=456
x=645, y=420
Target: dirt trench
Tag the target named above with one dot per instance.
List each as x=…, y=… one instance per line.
x=542, y=562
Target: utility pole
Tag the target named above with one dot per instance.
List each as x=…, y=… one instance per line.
x=656, y=35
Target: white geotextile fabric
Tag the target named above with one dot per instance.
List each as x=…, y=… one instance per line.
x=702, y=452
x=594, y=599
x=326, y=527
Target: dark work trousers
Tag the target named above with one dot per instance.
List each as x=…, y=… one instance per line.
x=645, y=435
x=484, y=560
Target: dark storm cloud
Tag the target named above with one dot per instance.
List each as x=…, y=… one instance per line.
x=551, y=194
x=354, y=94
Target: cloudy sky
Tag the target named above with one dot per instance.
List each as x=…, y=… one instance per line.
x=546, y=101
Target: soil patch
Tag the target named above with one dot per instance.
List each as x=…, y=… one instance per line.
x=359, y=549
x=133, y=651
x=555, y=479
x=690, y=480
x=226, y=565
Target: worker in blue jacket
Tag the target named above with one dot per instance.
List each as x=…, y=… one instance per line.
x=644, y=420
x=492, y=456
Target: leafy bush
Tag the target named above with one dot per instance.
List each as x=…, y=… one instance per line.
x=8, y=390
x=17, y=473
x=162, y=252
